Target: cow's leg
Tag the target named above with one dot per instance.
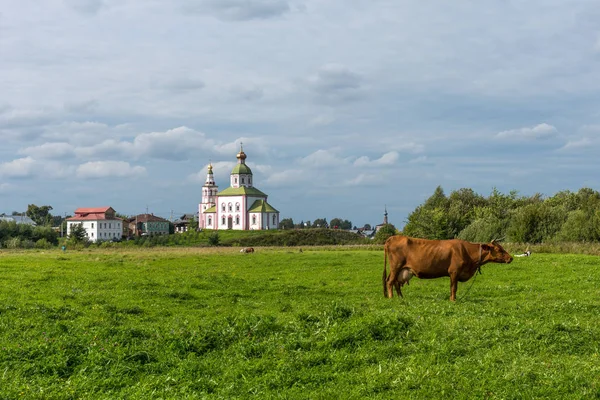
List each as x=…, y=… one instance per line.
x=398, y=286
x=453, y=286
x=392, y=281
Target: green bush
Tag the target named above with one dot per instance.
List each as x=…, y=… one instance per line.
x=484, y=230
x=43, y=243
x=213, y=239
x=384, y=233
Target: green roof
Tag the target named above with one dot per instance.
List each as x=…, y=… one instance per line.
x=262, y=206
x=241, y=169
x=212, y=209
x=242, y=190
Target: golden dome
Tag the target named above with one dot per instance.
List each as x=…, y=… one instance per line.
x=241, y=155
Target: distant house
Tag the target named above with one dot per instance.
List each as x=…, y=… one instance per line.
x=182, y=223
x=148, y=225
x=100, y=223
x=364, y=232
x=19, y=219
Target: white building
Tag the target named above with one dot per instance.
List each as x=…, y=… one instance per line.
x=100, y=223
x=240, y=207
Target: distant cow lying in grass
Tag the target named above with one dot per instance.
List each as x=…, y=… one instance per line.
x=247, y=250
x=427, y=259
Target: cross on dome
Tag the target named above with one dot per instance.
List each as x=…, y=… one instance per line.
x=241, y=156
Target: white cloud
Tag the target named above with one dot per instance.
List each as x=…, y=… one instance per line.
x=80, y=133
x=108, y=169
x=174, y=144
x=388, y=158
x=30, y=168
x=108, y=148
x=539, y=132
x=19, y=118
x=288, y=177
x=19, y=168
x=221, y=173
x=49, y=151
x=322, y=158
x=365, y=180
x=578, y=144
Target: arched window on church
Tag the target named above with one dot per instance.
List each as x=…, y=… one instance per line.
x=209, y=221
x=223, y=221
x=254, y=220
x=230, y=207
x=237, y=219
x=274, y=219
x=237, y=206
x=223, y=207
x=243, y=180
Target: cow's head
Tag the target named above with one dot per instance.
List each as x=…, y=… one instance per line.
x=497, y=253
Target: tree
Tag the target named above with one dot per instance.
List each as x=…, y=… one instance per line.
x=192, y=225
x=535, y=223
x=320, y=223
x=437, y=200
x=40, y=215
x=78, y=234
x=340, y=224
x=427, y=223
x=346, y=225
x=384, y=232
x=367, y=227
x=461, y=210
x=286, y=223
x=580, y=227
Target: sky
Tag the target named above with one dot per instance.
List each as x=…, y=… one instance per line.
x=344, y=108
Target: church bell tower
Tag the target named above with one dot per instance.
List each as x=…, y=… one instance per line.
x=209, y=196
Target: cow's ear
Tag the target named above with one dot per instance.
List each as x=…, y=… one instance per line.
x=486, y=247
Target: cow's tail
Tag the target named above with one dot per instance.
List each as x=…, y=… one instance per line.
x=385, y=270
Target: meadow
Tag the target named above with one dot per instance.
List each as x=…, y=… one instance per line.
x=187, y=323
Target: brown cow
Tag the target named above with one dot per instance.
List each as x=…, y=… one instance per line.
x=428, y=259
x=247, y=250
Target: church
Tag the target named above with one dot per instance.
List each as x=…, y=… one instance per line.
x=240, y=207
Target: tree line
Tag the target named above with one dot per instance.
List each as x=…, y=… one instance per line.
x=335, y=223
x=565, y=217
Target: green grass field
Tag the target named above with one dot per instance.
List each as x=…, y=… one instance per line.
x=202, y=323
